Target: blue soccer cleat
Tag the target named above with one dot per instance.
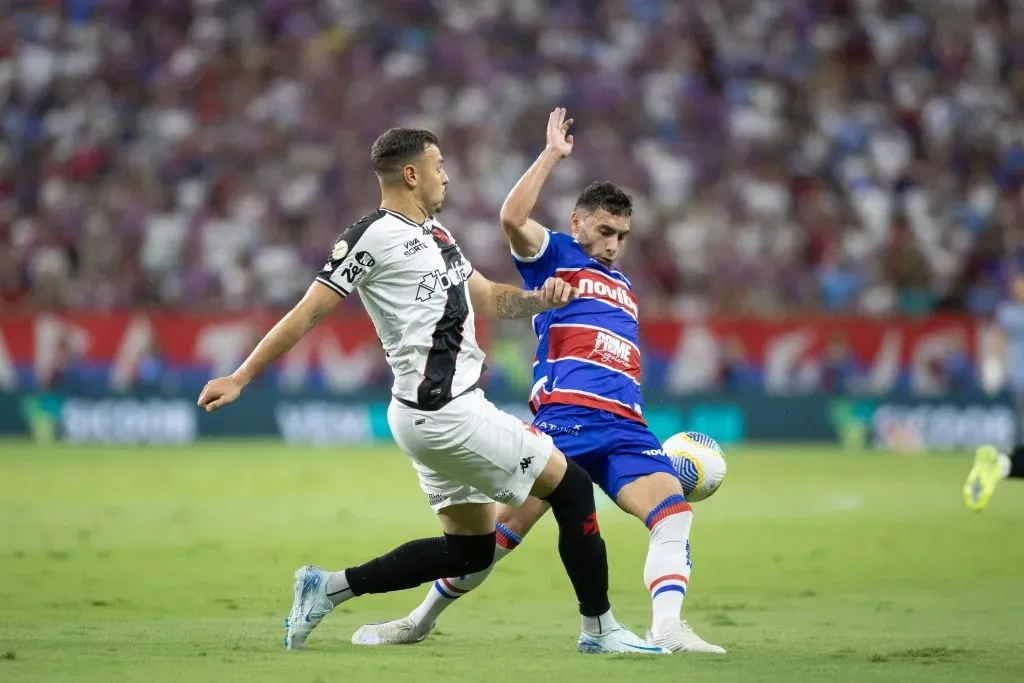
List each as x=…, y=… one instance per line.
x=310, y=607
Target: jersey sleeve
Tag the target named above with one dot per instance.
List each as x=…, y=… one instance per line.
x=542, y=265
x=352, y=262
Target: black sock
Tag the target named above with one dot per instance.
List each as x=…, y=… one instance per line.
x=579, y=540
x=420, y=561
x=1017, y=463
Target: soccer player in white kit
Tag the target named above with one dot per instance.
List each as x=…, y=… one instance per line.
x=422, y=295
x=587, y=397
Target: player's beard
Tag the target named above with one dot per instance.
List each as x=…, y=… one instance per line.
x=588, y=250
x=438, y=208
x=600, y=259
x=586, y=246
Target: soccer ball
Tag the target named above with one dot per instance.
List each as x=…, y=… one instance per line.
x=699, y=462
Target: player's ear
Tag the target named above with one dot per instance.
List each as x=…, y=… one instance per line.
x=574, y=223
x=410, y=175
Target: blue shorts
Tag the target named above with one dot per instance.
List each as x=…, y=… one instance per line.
x=613, y=450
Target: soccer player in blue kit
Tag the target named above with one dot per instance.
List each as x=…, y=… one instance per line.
x=586, y=396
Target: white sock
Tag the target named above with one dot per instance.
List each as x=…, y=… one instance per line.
x=667, y=570
x=598, y=625
x=445, y=592
x=338, y=590
x=1005, y=464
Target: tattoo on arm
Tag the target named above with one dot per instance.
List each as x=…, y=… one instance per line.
x=516, y=303
x=314, y=318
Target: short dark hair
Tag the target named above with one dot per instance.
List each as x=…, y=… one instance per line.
x=397, y=147
x=607, y=196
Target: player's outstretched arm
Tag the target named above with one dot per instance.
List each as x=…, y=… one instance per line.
x=317, y=302
x=525, y=235
x=495, y=300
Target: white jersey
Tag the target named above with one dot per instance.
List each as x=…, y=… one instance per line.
x=413, y=281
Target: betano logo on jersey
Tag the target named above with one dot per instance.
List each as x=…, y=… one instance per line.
x=592, y=284
x=443, y=280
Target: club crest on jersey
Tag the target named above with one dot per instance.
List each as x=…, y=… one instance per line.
x=442, y=280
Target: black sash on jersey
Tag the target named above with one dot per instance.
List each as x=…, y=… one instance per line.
x=438, y=405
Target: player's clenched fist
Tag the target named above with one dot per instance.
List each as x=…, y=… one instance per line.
x=219, y=392
x=556, y=292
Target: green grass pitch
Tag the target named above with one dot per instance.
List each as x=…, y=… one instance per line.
x=123, y=564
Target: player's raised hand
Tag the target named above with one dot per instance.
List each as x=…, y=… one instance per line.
x=558, y=128
x=556, y=292
x=218, y=393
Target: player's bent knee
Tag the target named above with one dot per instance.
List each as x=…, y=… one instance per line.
x=641, y=496
x=471, y=553
x=575, y=484
x=551, y=476
x=467, y=519
x=521, y=519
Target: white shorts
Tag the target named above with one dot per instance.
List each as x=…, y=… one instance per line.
x=470, y=452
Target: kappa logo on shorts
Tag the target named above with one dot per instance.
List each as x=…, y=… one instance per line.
x=524, y=464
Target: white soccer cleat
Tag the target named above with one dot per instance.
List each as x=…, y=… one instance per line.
x=617, y=641
x=681, y=638
x=310, y=607
x=402, y=631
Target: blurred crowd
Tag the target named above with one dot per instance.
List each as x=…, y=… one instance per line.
x=784, y=155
